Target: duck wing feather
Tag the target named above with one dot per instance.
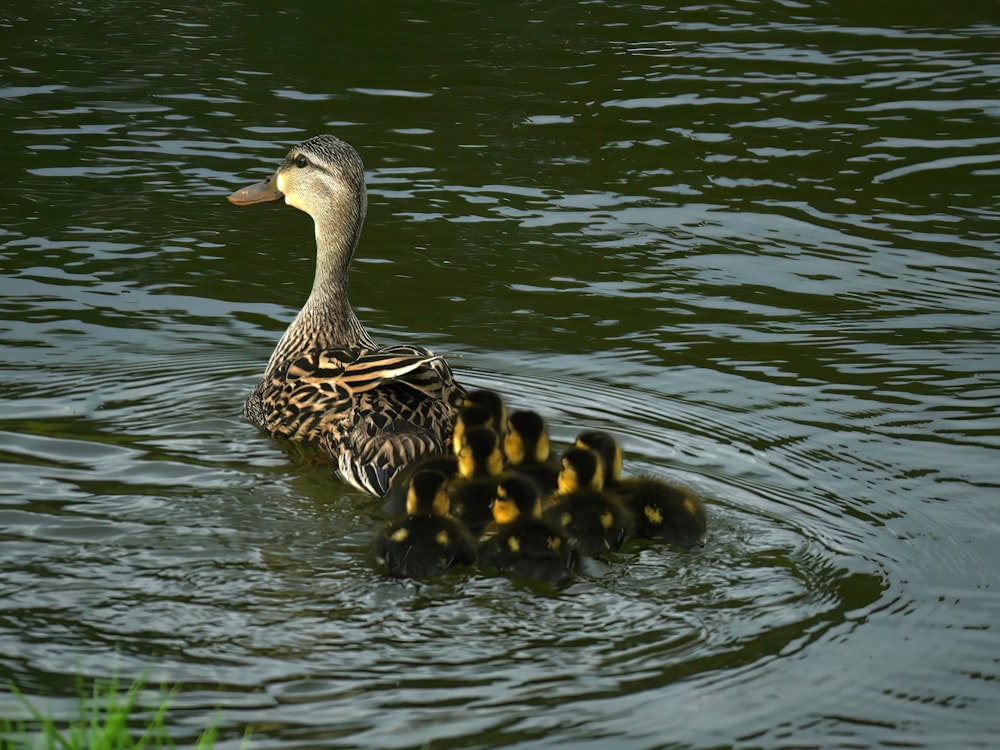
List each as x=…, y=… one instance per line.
x=372, y=410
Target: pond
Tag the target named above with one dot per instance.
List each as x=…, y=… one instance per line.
x=756, y=240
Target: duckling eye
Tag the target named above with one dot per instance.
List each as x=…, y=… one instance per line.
x=301, y=161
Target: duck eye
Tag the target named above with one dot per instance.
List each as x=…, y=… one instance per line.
x=301, y=161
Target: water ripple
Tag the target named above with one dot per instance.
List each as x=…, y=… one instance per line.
x=758, y=242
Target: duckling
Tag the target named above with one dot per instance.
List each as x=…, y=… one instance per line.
x=580, y=469
x=663, y=510
x=395, y=500
x=480, y=464
x=427, y=541
x=519, y=542
x=595, y=521
x=527, y=448
x=372, y=409
x=494, y=402
x=470, y=415
x=608, y=448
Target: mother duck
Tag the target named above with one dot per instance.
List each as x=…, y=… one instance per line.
x=372, y=408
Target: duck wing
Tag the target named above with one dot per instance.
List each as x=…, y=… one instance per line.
x=293, y=401
x=372, y=410
x=390, y=427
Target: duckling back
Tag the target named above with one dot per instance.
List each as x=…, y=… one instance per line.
x=423, y=546
x=427, y=541
x=665, y=511
x=520, y=543
x=532, y=549
x=661, y=510
x=595, y=521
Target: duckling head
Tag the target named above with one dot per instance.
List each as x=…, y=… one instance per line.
x=492, y=401
x=527, y=438
x=480, y=453
x=608, y=448
x=427, y=495
x=582, y=469
x=516, y=498
x=473, y=415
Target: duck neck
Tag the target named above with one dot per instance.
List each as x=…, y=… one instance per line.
x=327, y=320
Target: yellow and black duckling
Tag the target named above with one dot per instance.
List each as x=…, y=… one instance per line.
x=427, y=541
x=395, y=500
x=492, y=401
x=527, y=448
x=597, y=522
x=480, y=408
x=470, y=415
x=609, y=449
x=480, y=464
x=372, y=408
x=662, y=510
x=518, y=542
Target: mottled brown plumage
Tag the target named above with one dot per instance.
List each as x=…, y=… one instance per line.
x=373, y=409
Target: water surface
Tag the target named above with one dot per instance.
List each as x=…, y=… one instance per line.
x=756, y=240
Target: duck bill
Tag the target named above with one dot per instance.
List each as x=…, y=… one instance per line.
x=259, y=192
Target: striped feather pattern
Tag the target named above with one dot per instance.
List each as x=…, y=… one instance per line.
x=372, y=410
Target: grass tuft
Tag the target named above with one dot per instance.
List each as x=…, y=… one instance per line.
x=108, y=721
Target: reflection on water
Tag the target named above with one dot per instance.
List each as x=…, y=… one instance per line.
x=756, y=241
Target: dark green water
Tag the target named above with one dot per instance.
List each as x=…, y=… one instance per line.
x=757, y=240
